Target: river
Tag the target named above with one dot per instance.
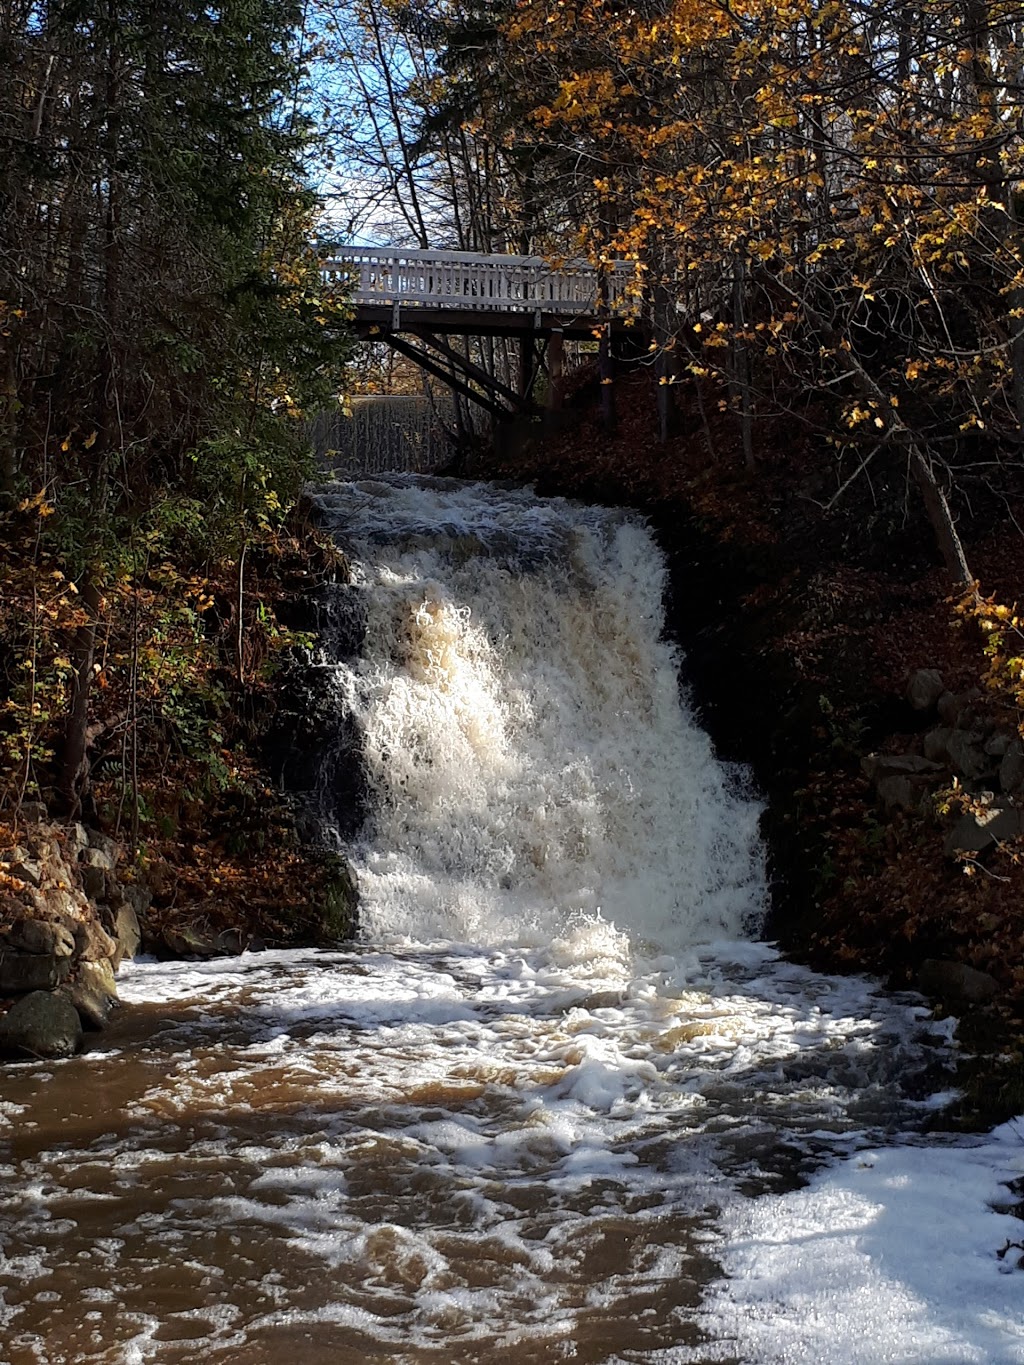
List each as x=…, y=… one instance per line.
x=509, y=1123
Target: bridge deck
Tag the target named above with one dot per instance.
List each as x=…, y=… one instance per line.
x=461, y=292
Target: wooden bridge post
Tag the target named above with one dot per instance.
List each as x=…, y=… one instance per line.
x=527, y=356
x=606, y=370
x=556, y=365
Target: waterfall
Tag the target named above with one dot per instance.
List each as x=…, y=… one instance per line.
x=531, y=767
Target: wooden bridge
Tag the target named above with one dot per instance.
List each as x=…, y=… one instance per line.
x=413, y=300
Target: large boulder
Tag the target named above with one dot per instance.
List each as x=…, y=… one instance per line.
x=93, y=993
x=93, y=942
x=978, y=830
x=925, y=688
x=127, y=934
x=20, y=972
x=48, y=938
x=956, y=982
x=41, y=1024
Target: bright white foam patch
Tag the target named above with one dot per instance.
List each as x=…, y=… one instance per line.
x=891, y=1256
x=528, y=755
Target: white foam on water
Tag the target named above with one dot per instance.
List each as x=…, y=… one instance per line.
x=479, y=1151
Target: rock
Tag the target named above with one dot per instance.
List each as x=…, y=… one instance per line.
x=1011, y=769
x=20, y=864
x=954, y=980
x=935, y=744
x=960, y=708
x=138, y=898
x=949, y=708
x=229, y=942
x=46, y=937
x=997, y=745
x=41, y=1024
x=102, y=843
x=94, y=881
x=20, y=972
x=903, y=793
x=71, y=905
x=97, y=858
x=925, y=688
x=974, y=833
x=33, y=812
x=188, y=943
x=127, y=934
x=967, y=754
x=876, y=766
x=93, y=942
x=93, y=993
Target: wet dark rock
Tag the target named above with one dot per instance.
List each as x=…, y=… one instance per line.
x=925, y=688
x=41, y=1024
x=956, y=981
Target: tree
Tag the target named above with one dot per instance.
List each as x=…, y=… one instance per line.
x=826, y=186
x=163, y=317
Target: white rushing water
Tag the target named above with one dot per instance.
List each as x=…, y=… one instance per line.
x=514, y=1123
x=529, y=758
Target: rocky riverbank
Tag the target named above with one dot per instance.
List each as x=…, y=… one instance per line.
x=70, y=914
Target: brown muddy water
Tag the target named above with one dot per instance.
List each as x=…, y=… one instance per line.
x=422, y=1155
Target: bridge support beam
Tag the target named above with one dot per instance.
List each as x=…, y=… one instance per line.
x=451, y=367
x=445, y=374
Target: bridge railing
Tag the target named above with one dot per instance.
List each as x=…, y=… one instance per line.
x=467, y=281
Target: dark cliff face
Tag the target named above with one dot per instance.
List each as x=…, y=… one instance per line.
x=312, y=748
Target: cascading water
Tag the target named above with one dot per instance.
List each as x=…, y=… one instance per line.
x=507, y=1126
x=528, y=756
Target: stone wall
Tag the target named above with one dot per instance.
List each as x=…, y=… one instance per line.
x=69, y=916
